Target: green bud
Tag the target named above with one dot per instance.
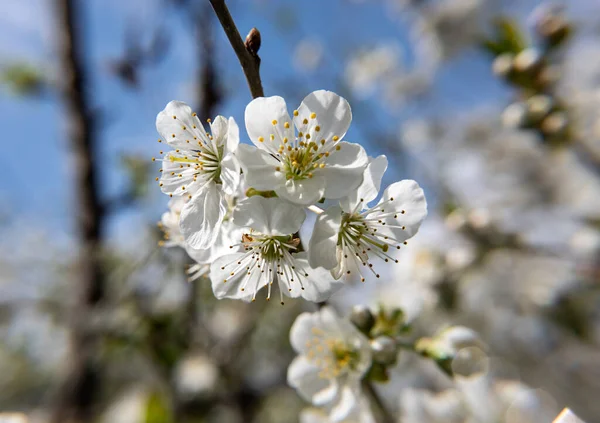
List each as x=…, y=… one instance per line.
x=384, y=350
x=362, y=318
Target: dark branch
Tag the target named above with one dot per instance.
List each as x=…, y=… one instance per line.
x=385, y=415
x=246, y=53
x=77, y=393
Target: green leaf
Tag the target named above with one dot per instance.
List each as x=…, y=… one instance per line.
x=251, y=192
x=23, y=79
x=157, y=409
x=507, y=38
x=510, y=35
x=378, y=373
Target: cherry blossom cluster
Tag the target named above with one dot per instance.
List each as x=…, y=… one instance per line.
x=237, y=209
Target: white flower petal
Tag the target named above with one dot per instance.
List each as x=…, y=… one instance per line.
x=408, y=197
x=301, y=331
x=346, y=403
x=177, y=125
x=344, y=170
x=269, y=216
x=338, y=271
x=201, y=217
x=260, y=115
x=230, y=174
x=304, y=376
x=319, y=285
x=172, y=183
x=225, y=285
x=322, y=250
x=303, y=191
x=233, y=136
x=228, y=236
x=332, y=112
x=260, y=168
x=219, y=129
x=313, y=415
x=369, y=188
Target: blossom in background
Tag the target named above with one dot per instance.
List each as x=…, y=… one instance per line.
x=169, y=224
x=201, y=167
x=307, y=166
x=360, y=414
x=269, y=256
x=348, y=236
x=228, y=235
x=333, y=357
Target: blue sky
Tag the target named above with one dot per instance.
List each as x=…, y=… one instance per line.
x=36, y=185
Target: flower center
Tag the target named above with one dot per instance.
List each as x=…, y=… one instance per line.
x=206, y=162
x=333, y=356
x=366, y=233
x=266, y=259
x=303, y=154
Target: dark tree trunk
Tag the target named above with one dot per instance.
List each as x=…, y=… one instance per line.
x=76, y=394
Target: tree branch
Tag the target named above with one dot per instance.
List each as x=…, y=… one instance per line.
x=246, y=53
x=77, y=392
x=385, y=414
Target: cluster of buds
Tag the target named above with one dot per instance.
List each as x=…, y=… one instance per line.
x=384, y=329
x=532, y=68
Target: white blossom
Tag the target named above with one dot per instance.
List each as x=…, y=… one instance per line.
x=348, y=236
x=306, y=167
x=201, y=167
x=361, y=413
x=169, y=224
x=333, y=357
x=269, y=255
x=227, y=235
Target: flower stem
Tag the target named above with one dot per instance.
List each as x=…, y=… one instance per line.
x=385, y=414
x=249, y=60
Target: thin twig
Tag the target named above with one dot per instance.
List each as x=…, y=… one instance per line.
x=385, y=414
x=250, y=61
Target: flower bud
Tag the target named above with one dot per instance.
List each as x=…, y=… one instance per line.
x=253, y=41
x=362, y=318
x=539, y=106
x=528, y=60
x=384, y=350
x=550, y=24
x=515, y=116
x=445, y=344
x=503, y=65
x=555, y=124
x=470, y=361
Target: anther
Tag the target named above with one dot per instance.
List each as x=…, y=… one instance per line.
x=313, y=115
x=274, y=122
x=305, y=121
x=261, y=139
